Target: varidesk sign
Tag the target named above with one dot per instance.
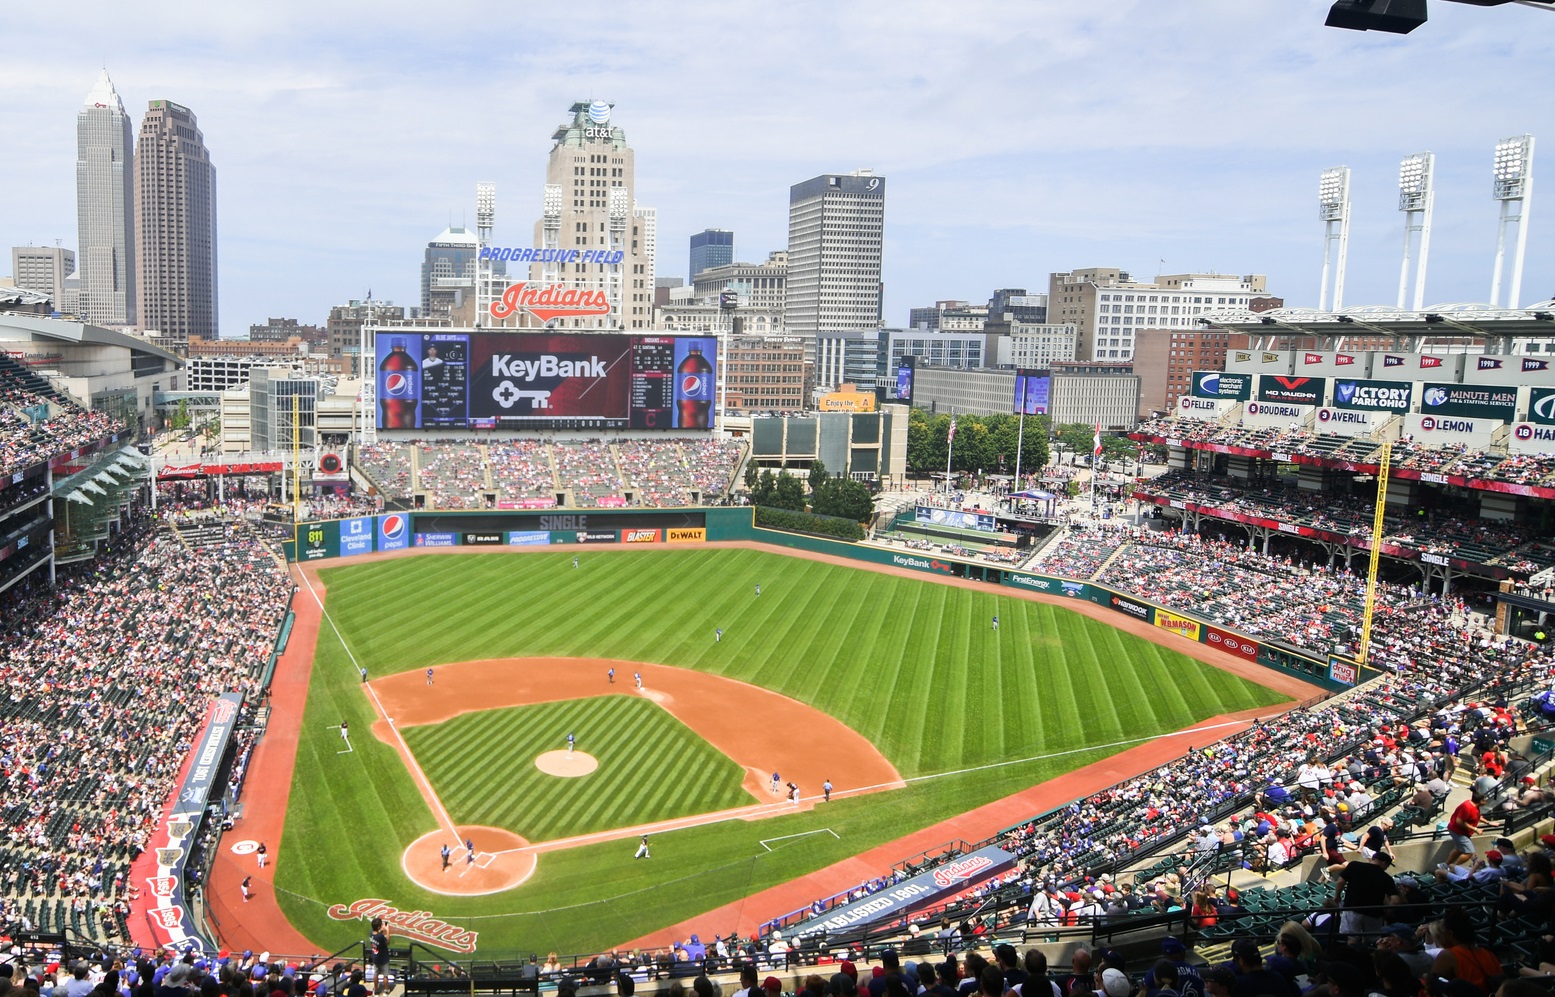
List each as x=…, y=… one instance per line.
x=1374, y=396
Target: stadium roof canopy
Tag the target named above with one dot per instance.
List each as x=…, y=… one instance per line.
x=1499, y=328
x=19, y=327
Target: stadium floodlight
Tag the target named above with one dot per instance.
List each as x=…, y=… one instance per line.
x=1415, y=199
x=1512, y=188
x=1333, y=198
x=485, y=219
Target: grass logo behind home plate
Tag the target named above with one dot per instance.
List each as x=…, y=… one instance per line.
x=418, y=925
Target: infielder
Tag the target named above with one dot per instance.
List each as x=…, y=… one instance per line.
x=642, y=848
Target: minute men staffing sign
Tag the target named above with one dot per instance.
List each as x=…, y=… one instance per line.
x=545, y=380
x=1470, y=401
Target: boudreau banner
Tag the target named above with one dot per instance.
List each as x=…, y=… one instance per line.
x=940, y=883
x=168, y=907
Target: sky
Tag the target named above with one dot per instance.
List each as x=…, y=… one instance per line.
x=1016, y=138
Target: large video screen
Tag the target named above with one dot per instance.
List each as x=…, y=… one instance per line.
x=542, y=380
x=1031, y=392
x=902, y=390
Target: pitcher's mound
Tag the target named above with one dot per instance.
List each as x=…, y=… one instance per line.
x=565, y=764
x=501, y=862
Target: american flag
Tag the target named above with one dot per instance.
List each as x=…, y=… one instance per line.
x=1096, y=442
x=952, y=434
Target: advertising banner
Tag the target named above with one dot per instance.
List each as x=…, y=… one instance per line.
x=922, y=563
x=1040, y=584
x=902, y=390
x=1541, y=406
x=1032, y=391
x=641, y=536
x=1242, y=647
x=394, y=531
x=437, y=539
x=1129, y=607
x=955, y=518
x=1342, y=671
x=526, y=538
x=543, y=380
x=938, y=884
x=482, y=539
x=317, y=541
x=1292, y=390
x=1219, y=384
x=356, y=536
x=686, y=536
x=171, y=920
x=1180, y=625
x=597, y=536
x=1471, y=401
x=1374, y=396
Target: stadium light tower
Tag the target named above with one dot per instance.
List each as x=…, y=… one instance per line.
x=485, y=218
x=1513, y=185
x=1333, y=199
x=1415, y=198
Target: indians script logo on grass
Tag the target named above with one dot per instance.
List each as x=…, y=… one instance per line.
x=546, y=302
x=961, y=870
x=417, y=925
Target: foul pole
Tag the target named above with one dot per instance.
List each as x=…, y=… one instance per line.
x=1384, y=463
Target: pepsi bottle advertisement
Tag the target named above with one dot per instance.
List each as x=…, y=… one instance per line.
x=399, y=383
x=695, y=381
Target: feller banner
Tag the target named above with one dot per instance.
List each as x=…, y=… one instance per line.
x=1180, y=625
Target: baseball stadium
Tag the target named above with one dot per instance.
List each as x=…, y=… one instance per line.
x=595, y=708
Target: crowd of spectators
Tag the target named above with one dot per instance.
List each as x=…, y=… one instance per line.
x=105, y=680
x=521, y=469
x=657, y=473
x=589, y=469
x=388, y=465
x=26, y=440
x=452, y=477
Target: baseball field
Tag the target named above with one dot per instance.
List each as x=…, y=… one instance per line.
x=830, y=671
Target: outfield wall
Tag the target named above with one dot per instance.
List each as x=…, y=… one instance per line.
x=341, y=538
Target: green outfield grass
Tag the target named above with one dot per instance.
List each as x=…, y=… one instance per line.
x=652, y=767
x=967, y=713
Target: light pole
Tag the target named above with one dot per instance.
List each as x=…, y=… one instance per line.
x=1333, y=198
x=1415, y=199
x=1513, y=185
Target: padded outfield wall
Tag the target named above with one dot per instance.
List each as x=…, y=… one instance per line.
x=340, y=538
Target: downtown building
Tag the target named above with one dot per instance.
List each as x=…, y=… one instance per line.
x=713, y=247
x=836, y=223
x=175, y=227
x=1108, y=308
x=45, y=269
x=590, y=206
x=105, y=209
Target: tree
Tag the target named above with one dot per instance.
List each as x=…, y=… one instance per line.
x=788, y=493
x=766, y=486
x=752, y=473
x=818, y=478
x=851, y=500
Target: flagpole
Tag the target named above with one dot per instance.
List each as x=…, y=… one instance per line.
x=1020, y=438
x=950, y=448
x=1095, y=462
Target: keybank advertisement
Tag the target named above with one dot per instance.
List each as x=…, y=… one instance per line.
x=1374, y=396
x=1472, y=401
x=541, y=380
x=1218, y=384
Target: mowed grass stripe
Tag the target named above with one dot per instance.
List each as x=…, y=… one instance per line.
x=651, y=767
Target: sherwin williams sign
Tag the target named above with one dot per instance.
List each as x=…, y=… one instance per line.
x=1472, y=401
x=1218, y=384
x=1374, y=396
x=1290, y=389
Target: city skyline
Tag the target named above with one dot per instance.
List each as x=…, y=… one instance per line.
x=1119, y=136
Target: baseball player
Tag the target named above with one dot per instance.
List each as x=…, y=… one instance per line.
x=775, y=781
x=758, y=588
x=639, y=677
x=429, y=676
x=570, y=742
x=793, y=793
x=611, y=675
x=469, y=851
x=446, y=853
x=642, y=848
x=244, y=886
x=262, y=853
x=826, y=790
x=718, y=634
x=345, y=732
x=574, y=562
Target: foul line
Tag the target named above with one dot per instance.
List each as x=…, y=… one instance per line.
x=410, y=759
x=801, y=834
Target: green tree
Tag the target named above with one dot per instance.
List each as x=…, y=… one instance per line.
x=818, y=478
x=752, y=473
x=788, y=493
x=766, y=487
x=851, y=500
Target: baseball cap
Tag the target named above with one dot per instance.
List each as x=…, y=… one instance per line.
x=1548, y=839
x=1173, y=946
x=1404, y=931
x=847, y=967
x=1115, y=983
x=1246, y=948
x=1494, y=855
x=772, y=983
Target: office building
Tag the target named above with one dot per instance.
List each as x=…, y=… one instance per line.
x=175, y=227
x=219, y=373
x=764, y=374
x=1032, y=345
x=964, y=392
x=758, y=285
x=343, y=328
x=105, y=208
x=835, y=226
x=851, y=357
x=949, y=316
x=448, y=274
x=1094, y=394
x=275, y=419
x=280, y=330
x=933, y=348
x=1013, y=304
x=590, y=206
x=1107, y=307
x=644, y=280
x=710, y=248
x=44, y=269
x=1165, y=360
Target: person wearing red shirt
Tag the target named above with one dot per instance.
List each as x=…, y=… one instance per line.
x=1462, y=827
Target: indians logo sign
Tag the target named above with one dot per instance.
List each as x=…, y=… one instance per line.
x=417, y=925
x=961, y=870
x=548, y=301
